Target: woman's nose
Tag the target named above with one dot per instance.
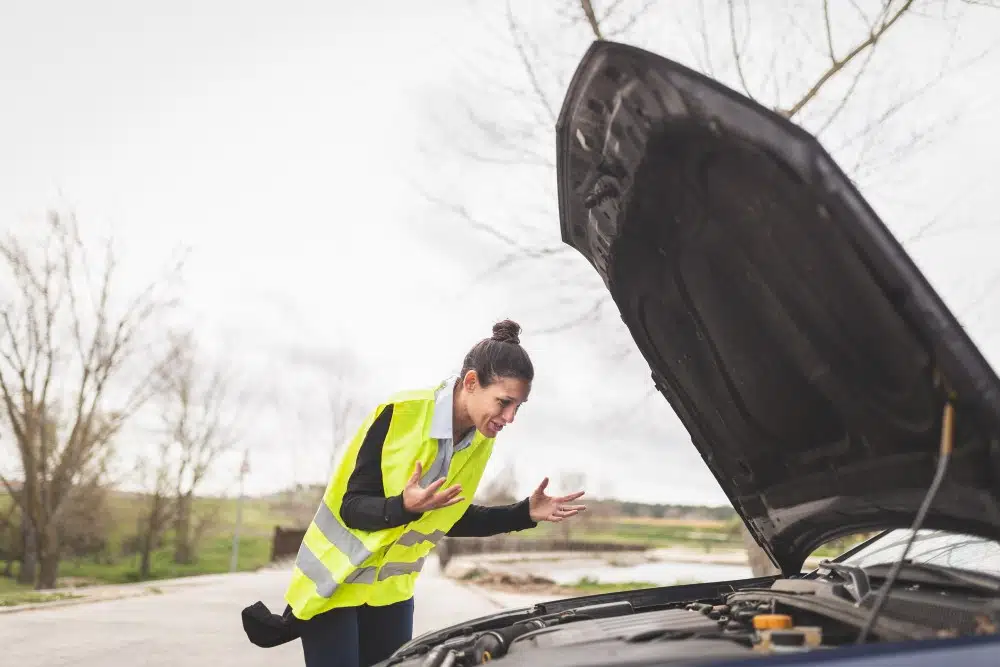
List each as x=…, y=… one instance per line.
x=509, y=413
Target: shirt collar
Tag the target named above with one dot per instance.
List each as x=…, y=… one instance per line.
x=441, y=420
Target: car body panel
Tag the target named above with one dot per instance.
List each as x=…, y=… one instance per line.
x=804, y=352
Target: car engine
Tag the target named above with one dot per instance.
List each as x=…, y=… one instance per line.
x=786, y=616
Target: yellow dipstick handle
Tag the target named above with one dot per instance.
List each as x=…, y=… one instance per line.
x=948, y=429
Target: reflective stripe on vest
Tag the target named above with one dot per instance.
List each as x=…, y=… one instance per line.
x=339, y=536
x=415, y=537
x=337, y=566
x=325, y=586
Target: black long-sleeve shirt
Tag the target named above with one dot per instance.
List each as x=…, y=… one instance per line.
x=366, y=507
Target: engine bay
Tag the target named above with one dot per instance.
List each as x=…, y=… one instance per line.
x=794, y=615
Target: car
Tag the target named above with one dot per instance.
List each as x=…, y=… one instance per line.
x=826, y=385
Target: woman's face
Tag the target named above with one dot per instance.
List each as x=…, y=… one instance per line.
x=492, y=407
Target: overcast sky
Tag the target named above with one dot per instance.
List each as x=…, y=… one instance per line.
x=287, y=144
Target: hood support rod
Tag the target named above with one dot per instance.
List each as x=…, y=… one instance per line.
x=946, y=447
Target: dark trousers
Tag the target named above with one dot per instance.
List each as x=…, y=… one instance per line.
x=356, y=636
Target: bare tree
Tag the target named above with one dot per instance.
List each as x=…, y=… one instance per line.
x=344, y=413
x=75, y=363
x=156, y=475
x=570, y=480
x=501, y=489
x=338, y=376
x=829, y=72
x=199, y=421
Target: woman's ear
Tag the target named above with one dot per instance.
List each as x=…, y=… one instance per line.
x=470, y=381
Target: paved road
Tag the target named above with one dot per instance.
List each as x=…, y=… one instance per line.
x=197, y=622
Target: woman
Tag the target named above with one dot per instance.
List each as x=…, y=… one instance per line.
x=404, y=482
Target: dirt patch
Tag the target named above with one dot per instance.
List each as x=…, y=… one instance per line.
x=77, y=582
x=532, y=584
x=18, y=599
x=512, y=583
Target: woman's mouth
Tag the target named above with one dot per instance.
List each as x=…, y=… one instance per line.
x=495, y=426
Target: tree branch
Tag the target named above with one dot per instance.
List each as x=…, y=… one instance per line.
x=592, y=21
x=709, y=67
x=847, y=94
x=15, y=496
x=502, y=138
x=874, y=35
x=737, y=50
x=462, y=212
x=829, y=32
x=629, y=23
x=588, y=315
x=529, y=68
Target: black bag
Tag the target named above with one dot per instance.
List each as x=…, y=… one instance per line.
x=266, y=629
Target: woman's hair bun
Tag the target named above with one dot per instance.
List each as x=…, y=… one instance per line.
x=507, y=331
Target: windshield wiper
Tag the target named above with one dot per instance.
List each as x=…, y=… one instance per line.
x=940, y=574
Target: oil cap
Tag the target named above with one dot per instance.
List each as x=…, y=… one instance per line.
x=772, y=622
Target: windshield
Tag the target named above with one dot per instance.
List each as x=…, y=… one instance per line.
x=934, y=547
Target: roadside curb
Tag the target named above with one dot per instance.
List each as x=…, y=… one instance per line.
x=109, y=592
x=479, y=590
x=504, y=600
x=82, y=599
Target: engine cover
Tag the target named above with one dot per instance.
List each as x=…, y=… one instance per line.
x=605, y=653
x=633, y=627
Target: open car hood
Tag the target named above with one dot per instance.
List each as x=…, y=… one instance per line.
x=804, y=352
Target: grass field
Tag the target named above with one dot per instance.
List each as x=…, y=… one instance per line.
x=213, y=558
x=710, y=524
x=654, y=532
x=214, y=551
x=12, y=595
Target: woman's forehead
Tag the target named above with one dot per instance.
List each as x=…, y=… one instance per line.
x=512, y=388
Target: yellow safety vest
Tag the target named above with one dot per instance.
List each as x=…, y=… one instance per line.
x=337, y=566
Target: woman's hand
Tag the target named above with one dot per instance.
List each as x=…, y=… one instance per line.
x=417, y=499
x=542, y=507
